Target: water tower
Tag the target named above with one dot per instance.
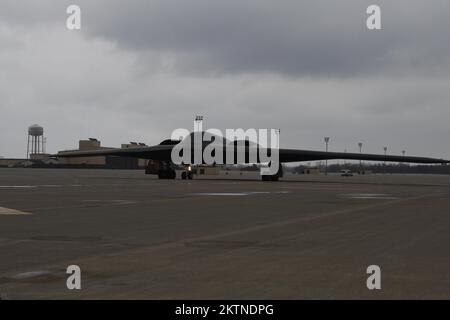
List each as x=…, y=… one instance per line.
x=36, y=140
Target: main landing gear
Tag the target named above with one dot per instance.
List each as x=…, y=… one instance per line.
x=273, y=177
x=187, y=174
x=163, y=169
x=167, y=174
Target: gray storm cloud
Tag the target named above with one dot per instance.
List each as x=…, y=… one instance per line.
x=288, y=37
x=324, y=37
x=137, y=70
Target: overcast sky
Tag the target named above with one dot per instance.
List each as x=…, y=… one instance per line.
x=137, y=70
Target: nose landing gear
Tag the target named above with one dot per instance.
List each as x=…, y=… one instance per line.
x=187, y=174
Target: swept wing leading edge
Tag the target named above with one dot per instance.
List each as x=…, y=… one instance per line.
x=163, y=152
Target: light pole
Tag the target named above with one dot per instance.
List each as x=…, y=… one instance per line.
x=385, y=153
x=198, y=123
x=360, y=152
x=403, y=153
x=278, y=131
x=326, y=139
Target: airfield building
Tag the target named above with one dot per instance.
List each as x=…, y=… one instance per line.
x=106, y=162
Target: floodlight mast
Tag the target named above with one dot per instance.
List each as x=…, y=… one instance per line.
x=327, y=140
x=360, y=145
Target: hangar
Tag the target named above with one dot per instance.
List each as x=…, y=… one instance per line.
x=102, y=161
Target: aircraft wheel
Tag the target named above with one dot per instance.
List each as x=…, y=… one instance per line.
x=183, y=175
x=162, y=175
x=270, y=177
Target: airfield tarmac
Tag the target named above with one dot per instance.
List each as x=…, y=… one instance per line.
x=308, y=237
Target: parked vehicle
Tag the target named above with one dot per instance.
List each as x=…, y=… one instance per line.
x=346, y=173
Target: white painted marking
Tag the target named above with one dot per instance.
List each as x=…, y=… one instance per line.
x=17, y=186
x=248, y=193
x=31, y=274
x=36, y=186
x=383, y=196
x=41, y=186
x=8, y=211
x=111, y=201
x=221, y=194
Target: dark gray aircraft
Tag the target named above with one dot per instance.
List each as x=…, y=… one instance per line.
x=160, y=161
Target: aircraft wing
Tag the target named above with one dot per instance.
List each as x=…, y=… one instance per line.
x=292, y=155
x=163, y=152
x=159, y=152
